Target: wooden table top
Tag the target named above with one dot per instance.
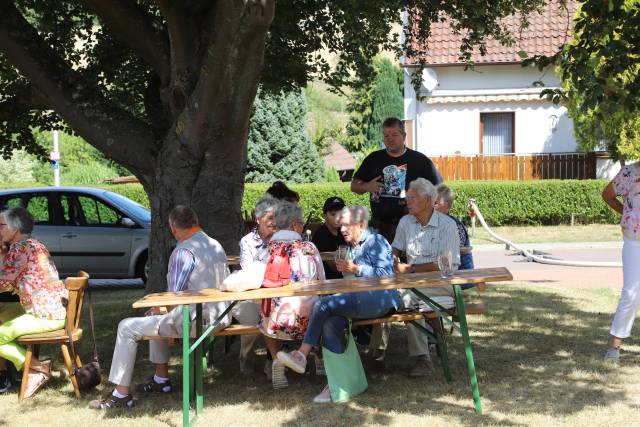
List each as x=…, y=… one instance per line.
x=323, y=287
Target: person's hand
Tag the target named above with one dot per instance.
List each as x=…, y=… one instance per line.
x=153, y=311
x=345, y=266
x=375, y=186
x=401, y=267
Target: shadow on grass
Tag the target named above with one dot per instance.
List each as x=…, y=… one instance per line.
x=536, y=351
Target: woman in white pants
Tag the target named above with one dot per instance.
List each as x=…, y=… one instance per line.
x=627, y=185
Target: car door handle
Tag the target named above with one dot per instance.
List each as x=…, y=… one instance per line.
x=69, y=235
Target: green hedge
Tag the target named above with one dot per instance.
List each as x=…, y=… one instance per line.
x=501, y=202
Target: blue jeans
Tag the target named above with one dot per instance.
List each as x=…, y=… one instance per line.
x=330, y=315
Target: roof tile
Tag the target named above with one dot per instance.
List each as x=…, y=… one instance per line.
x=547, y=31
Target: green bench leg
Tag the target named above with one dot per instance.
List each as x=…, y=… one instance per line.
x=186, y=368
x=464, y=331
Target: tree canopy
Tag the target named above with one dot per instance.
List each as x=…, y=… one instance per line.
x=165, y=87
x=600, y=71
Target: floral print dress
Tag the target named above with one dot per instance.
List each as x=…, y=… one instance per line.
x=289, y=316
x=627, y=184
x=28, y=271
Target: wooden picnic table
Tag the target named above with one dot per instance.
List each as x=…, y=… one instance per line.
x=415, y=282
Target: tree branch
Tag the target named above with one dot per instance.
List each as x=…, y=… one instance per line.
x=134, y=28
x=184, y=42
x=241, y=29
x=112, y=130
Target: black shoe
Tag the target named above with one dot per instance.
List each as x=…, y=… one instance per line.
x=5, y=382
x=154, y=387
x=112, y=402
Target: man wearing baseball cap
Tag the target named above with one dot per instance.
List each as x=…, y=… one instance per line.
x=328, y=236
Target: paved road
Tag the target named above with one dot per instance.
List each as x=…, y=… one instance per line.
x=535, y=273
x=523, y=271
x=116, y=284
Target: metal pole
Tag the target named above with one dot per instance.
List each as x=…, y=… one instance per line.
x=55, y=156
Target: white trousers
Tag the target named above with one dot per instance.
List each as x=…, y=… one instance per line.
x=630, y=297
x=247, y=313
x=132, y=329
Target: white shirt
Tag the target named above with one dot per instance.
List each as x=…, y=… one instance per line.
x=253, y=249
x=423, y=243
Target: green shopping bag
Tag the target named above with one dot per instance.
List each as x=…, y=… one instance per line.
x=344, y=371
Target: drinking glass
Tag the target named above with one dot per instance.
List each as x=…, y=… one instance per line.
x=342, y=253
x=445, y=264
x=308, y=269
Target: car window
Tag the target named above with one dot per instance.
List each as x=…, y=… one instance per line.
x=13, y=202
x=38, y=206
x=97, y=213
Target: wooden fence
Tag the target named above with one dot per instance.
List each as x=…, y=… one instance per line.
x=517, y=167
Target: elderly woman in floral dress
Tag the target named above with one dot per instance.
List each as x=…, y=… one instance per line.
x=27, y=270
x=287, y=318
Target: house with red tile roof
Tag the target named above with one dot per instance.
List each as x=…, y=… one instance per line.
x=495, y=107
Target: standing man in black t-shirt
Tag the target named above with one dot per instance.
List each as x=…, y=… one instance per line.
x=386, y=175
x=328, y=237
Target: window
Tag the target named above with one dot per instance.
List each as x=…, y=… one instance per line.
x=38, y=206
x=496, y=133
x=88, y=211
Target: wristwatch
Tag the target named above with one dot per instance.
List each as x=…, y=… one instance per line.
x=413, y=268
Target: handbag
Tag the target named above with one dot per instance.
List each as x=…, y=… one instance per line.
x=345, y=373
x=277, y=273
x=88, y=375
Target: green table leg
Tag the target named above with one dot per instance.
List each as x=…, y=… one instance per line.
x=464, y=331
x=186, y=369
x=198, y=363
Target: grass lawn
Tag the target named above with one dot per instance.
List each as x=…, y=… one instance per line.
x=538, y=353
x=550, y=233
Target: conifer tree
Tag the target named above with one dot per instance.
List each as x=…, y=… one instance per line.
x=279, y=146
x=371, y=103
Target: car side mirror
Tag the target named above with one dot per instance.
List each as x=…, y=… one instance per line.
x=127, y=222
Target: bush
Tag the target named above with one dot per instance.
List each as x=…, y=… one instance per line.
x=501, y=202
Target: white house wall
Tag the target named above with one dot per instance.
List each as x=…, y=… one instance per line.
x=445, y=125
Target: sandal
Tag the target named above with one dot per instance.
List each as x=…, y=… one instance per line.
x=38, y=376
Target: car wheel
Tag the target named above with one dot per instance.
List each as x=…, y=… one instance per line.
x=142, y=267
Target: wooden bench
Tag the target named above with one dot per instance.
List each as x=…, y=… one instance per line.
x=410, y=316
x=431, y=317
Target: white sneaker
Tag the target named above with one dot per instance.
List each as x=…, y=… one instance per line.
x=324, y=396
x=612, y=356
x=278, y=377
x=320, y=367
x=294, y=360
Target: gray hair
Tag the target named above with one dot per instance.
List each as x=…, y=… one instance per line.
x=424, y=187
x=390, y=122
x=358, y=214
x=445, y=193
x=286, y=214
x=265, y=205
x=183, y=217
x=18, y=219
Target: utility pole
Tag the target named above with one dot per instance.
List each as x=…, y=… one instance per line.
x=55, y=157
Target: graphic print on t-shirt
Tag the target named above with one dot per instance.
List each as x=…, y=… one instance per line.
x=394, y=178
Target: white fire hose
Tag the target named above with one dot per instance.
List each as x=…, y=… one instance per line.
x=531, y=256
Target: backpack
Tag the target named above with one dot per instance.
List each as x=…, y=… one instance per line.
x=277, y=273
